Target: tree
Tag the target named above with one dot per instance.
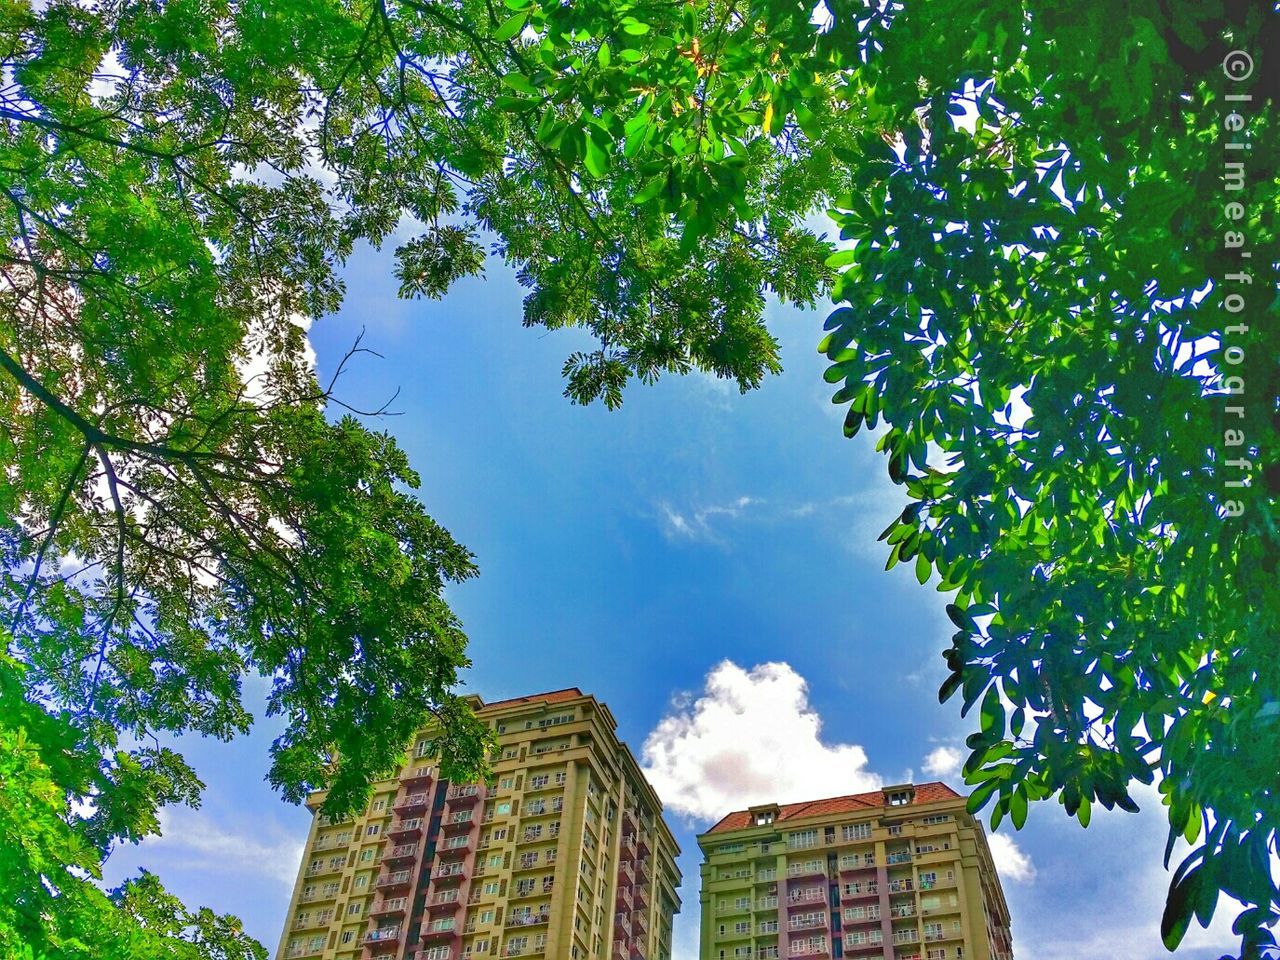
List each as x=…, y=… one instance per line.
x=181, y=509
x=1055, y=299
x=181, y=183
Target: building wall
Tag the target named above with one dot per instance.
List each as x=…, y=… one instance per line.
x=565, y=855
x=859, y=879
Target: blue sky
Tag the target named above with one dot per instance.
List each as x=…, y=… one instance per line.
x=702, y=561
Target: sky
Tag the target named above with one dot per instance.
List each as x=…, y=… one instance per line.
x=702, y=561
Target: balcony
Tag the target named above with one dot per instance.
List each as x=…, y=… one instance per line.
x=906, y=936
x=642, y=870
x=766, y=953
x=459, y=842
x=808, y=923
x=854, y=864
x=642, y=843
x=868, y=915
x=390, y=907
x=439, y=929
x=804, y=871
x=806, y=898
x=449, y=871
x=462, y=820
x=856, y=891
x=463, y=795
x=863, y=946
x=626, y=875
x=901, y=886
x=899, y=910
x=527, y=919
x=810, y=949
x=627, y=846
x=412, y=803
x=334, y=865
x=620, y=950
x=445, y=900
x=382, y=939
x=389, y=881
x=402, y=852
x=403, y=830
x=433, y=953
x=640, y=897
x=417, y=777
x=901, y=856
x=622, y=924
x=639, y=923
x=310, y=923
x=767, y=903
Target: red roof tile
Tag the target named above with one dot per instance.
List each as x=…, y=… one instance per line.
x=832, y=806
x=553, y=696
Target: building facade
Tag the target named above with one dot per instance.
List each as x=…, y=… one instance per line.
x=902, y=873
x=566, y=856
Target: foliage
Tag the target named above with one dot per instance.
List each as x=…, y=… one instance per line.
x=1034, y=314
x=44, y=759
x=182, y=180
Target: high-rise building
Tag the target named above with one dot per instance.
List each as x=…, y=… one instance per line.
x=902, y=873
x=566, y=856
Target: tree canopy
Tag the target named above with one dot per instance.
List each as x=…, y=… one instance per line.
x=1032, y=312
x=1053, y=299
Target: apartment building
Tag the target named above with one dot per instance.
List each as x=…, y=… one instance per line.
x=902, y=873
x=566, y=856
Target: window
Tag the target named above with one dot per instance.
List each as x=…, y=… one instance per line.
x=899, y=798
x=373, y=830
x=855, y=831
x=799, y=839
x=348, y=936
x=764, y=819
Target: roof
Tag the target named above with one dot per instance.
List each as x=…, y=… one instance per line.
x=832, y=806
x=551, y=696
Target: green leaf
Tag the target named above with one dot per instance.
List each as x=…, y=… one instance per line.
x=520, y=83
x=1018, y=808
x=511, y=27
x=596, y=160
x=650, y=190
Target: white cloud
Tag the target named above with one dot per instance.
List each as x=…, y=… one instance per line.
x=192, y=840
x=943, y=762
x=1011, y=863
x=750, y=737
x=696, y=524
